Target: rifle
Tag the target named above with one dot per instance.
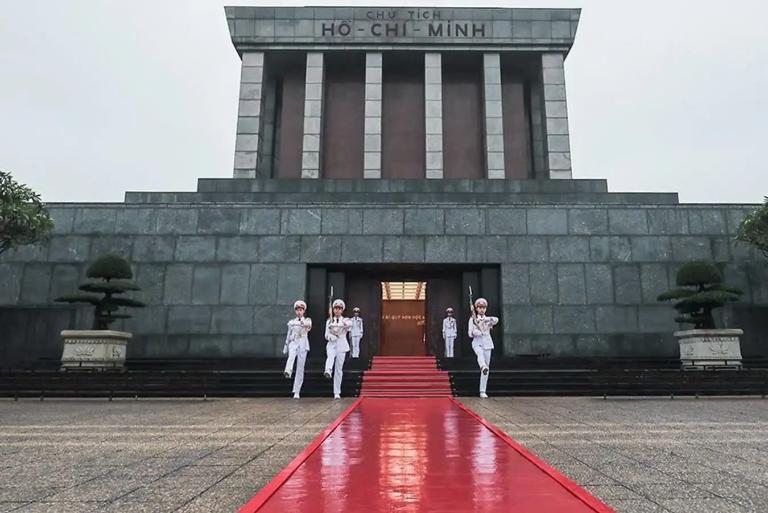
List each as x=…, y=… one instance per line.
x=472, y=307
x=330, y=304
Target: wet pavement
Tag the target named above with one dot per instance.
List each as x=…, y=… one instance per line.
x=414, y=455
x=648, y=454
x=638, y=455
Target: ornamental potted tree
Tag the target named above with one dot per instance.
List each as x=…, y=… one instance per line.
x=700, y=291
x=101, y=347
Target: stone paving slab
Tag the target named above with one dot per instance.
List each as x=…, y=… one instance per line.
x=192, y=456
x=648, y=455
x=149, y=455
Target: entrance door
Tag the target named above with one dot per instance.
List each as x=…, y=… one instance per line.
x=362, y=291
x=403, y=319
x=445, y=292
x=443, y=286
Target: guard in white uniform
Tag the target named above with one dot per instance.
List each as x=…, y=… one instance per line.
x=336, y=329
x=482, y=344
x=297, y=346
x=449, y=332
x=356, y=332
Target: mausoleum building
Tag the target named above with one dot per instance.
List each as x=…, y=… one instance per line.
x=398, y=156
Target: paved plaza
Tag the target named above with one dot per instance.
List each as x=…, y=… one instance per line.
x=638, y=455
x=648, y=455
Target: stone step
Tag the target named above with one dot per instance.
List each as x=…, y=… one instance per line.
x=405, y=393
x=389, y=185
x=379, y=371
x=399, y=376
x=435, y=385
x=399, y=198
x=396, y=358
x=406, y=377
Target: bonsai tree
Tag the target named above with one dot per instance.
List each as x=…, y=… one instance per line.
x=754, y=228
x=700, y=290
x=23, y=216
x=109, y=275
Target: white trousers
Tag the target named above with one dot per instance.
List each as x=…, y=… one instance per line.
x=449, y=346
x=334, y=363
x=483, y=360
x=356, y=347
x=300, y=357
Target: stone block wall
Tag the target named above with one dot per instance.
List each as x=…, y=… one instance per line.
x=577, y=280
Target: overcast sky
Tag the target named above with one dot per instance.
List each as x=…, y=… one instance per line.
x=100, y=97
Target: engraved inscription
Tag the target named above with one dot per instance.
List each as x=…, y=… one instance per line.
x=399, y=23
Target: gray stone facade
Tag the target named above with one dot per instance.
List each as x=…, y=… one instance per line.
x=578, y=279
x=546, y=33
x=547, y=28
x=219, y=268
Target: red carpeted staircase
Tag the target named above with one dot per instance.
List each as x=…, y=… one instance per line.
x=405, y=376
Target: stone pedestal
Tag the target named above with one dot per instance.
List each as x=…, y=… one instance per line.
x=94, y=349
x=710, y=348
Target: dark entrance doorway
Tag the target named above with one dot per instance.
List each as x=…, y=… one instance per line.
x=403, y=319
x=446, y=285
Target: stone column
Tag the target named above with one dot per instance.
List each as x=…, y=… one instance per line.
x=494, y=122
x=267, y=130
x=537, y=131
x=372, y=138
x=248, y=140
x=433, y=111
x=556, y=116
x=313, y=116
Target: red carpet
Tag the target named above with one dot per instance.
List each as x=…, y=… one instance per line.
x=405, y=376
x=418, y=455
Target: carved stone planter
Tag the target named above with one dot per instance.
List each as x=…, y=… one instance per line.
x=710, y=348
x=94, y=349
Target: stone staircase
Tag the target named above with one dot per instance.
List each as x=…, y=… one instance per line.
x=387, y=191
x=405, y=376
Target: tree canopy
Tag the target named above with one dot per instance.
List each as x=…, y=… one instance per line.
x=24, y=219
x=110, y=274
x=754, y=228
x=700, y=289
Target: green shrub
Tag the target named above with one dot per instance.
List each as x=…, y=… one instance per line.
x=754, y=228
x=700, y=290
x=109, y=275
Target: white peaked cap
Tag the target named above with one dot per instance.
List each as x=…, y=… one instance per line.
x=481, y=301
x=299, y=303
x=341, y=303
x=355, y=309
x=449, y=309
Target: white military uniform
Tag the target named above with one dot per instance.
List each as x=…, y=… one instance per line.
x=356, y=333
x=482, y=344
x=336, y=330
x=297, y=347
x=449, y=334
